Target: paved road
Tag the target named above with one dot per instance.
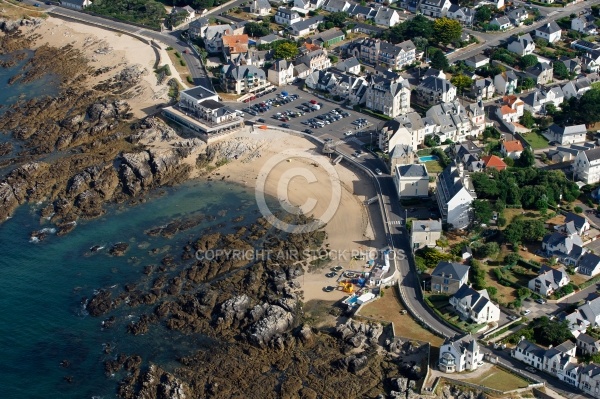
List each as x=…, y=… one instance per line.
x=495, y=39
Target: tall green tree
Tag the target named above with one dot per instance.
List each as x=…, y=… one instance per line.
x=461, y=82
x=529, y=60
x=527, y=119
x=526, y=159
x=447, y=30
x=560, y=70
x=337, y=18
x=589, y=106
x=285, y=50
x=482, y=210
x=483, y=14
x=437, y=59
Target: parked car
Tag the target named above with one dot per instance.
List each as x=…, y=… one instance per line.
x=308, y=131
x=331, y=274
x=260, y=120
x=541, y=301
x=531, y=369
x=328, y=288
x=513, y=317
x=526, y=312
x=378, y=171
x=285, y=125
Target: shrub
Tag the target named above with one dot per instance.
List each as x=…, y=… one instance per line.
x=177, y=54
x=182, y=62
x=190, y=79
x=169, y=48
x=578, y=209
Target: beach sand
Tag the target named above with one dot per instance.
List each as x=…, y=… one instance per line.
x=105, y=48
x=349, y=229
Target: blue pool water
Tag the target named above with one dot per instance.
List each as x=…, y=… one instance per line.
x=352, y=300
x=428, y=158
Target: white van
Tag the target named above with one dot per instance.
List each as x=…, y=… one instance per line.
x=239, y=113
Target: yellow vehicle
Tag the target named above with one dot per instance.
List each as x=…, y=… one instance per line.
x=347, y=287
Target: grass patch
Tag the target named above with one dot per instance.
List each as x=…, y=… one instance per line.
x=182, y=70
x=496, y=378
x=388, y=308
x=536, y=140
x=434, y=167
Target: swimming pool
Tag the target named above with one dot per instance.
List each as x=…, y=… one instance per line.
x=352, y=300
x=428, y=158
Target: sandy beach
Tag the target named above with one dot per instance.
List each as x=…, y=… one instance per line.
x=349, y=229
x=113, y=51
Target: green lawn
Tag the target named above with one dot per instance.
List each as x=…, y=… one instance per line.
x=536, y=140
x=433, y=167
x=496, y=378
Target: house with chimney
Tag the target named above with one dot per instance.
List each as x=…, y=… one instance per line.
x=587, y=345
x=434, y=8
x=411, y=181
x=242, y=79
x=549, y=31
x=511, y=109
x=391, y=97
x=475, y=306
x=588, y=264
x=425, y=233
x=566, y=246
x=447, y=277
x=584, y=23
x=460, y=354
x=511, y=149
x=586, y=167
x=549, y=281
x=565, y=135
x=576, y=87
x=506, y=82
x=260, y=7
x=434, y=90
x=483, y=89
x=454, y=195
x=522, y=45
x=281, y=73
x=286, y=16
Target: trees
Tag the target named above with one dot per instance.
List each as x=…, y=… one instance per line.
x=524, y=230
x=482, y=210
x=526, y=159
x=438, y=59
x=461, y=82
x=589, y=106
x=432, y=256
x=527, y=83
x=145, y=12
x=560, y=70
x=527, y=120
x=285, y=50
x=255, y=29
x=551, y=332
x=447, y=30
x=530, y=60
x=337, y=18
x=483, y=14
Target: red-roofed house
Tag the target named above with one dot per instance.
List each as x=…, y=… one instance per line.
x=234, y=44
x=511, y=109
x=511, y=149
x=492, y=161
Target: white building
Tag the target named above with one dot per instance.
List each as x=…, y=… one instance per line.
x=435, y=8
x=549, y=281
x=281, y=73
x=585, y=23
x=75, y=4
x=460, y=355
x=434, y=90
x=511, y=149
x=407, y=129
x=286, y=17
x=522, y=45
x=425, y=233
x=589, y=380
x=242, y=79
x=587, y=166
x=475, y=306
x=589, y=264
x=550, y=31
x=387, y=17
x=576, y=88
x=411, y=181
x=391, y=97
x=565, y=135
x=260, y=7
x=350, y=65
x=447, y=277
x=454, y=194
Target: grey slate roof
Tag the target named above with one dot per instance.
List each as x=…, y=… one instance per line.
x=593, y=155
x=588, y=339
x=412, y=170
x=550, y=27
x=477, y=300
x=436, y=84
x=211, y=104
x=532, y=348
x=447, y=269
x=199, y=92
x=578, y=220
x=242, y=71
x=426, y=225
x=302, y=25
x=589, y=261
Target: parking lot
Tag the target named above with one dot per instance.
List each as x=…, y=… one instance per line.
x=335, y=130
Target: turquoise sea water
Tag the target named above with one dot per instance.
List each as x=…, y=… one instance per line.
x=42, y=285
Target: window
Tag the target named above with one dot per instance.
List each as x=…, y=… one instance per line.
x=446, y=281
